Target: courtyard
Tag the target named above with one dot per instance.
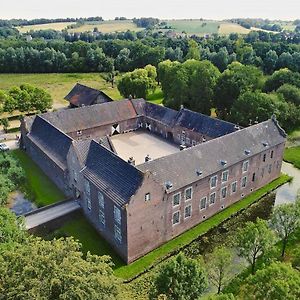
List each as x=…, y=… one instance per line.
x=139, y=144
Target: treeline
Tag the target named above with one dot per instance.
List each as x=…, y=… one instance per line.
x=24, y=22
x=146, y=22
x=258, y=23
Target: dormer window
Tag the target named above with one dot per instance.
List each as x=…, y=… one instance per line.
x=147, y=197
x=79, y=132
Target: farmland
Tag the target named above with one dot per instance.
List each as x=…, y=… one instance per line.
x=56, y=26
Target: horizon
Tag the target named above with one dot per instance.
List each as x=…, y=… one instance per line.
x=166, y=10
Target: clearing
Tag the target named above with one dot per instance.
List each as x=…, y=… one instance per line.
x=108, y=26
x=55, y=26
x=138, y=144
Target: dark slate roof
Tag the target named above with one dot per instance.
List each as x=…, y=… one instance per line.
x=82, y=95
x=53, y=141
x=204, y=124
x=82, y=148
x=71, y=120
x=111, y=174
x=180, y=168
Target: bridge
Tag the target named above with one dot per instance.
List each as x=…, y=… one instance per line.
x=49, y=213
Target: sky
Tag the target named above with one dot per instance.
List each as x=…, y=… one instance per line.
x=162, y=9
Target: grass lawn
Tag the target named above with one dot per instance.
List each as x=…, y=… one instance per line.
x=292, y=155
x=59, y=84
x=38, y=186
x=194, y=26
x=56, y=26
x=156, y=97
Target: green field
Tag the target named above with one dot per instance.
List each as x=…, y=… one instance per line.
x=59, y=84
x=292, y=155
x=38, y=186
x=56, y=26
x=108, y=26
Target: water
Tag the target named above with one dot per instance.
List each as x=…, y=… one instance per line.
x=19, y=204
x=288, y=192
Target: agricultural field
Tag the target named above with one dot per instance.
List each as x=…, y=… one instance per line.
x=59, y=85
x=227, y=28
x=56, y=26
x=108, y=26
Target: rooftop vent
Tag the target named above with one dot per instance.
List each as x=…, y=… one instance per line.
x=223, y=162
x=198, y=172
x=131, y=161
x=147, y=158
x=168, y=185
x=247, y=152
x=265, y=144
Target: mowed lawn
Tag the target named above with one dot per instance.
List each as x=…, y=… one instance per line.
x=56, y=26
x=108, y=26
x=292, y=155
x=38, y=186
x=59, y=84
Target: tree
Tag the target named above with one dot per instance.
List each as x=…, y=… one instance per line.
x=270, y=61
x=180, y=278
x=220, y=267
x=290, y=93
x=253, y=106
x=275, y=282
x=254, y=240
x=285, y=220
x=123, y=60
x=5, y=123
x=194, y=51
x=138, y=83
x=55, y=269
x=233, y=82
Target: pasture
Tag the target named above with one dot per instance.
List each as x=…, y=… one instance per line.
x=56, y=26
x=227, y=28
x=108, y=26
x=59, y=85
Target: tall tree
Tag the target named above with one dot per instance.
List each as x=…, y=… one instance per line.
x=194, y=51
x=220, y=267
x=254, y=240
x=180, y=278
x=285, y=220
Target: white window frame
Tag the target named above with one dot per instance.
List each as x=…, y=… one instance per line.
x=147, y=197
x=200, y=204
x=117, y=215
x=234, y=183
x=215, y=197
x=190, y=205
x=188, y=188
x=176, y=212
x=243, y=181
x=224, y=188
x=215, y=176
x=225, y=172
x=246, y=162
x=176, y=205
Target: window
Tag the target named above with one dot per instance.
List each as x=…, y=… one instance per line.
x=176, y=218
x=264, y=157
x=213, y=181
x=272, y=153
x=87, y=192
x=147, y=197
x=270, y=169
x=187, y=211
x=245, y=166
x=118, y=233
x=224, y=192
x=188, y=193
x=212, y=198
x=253, y=177
x=233, y=187
x=101, y=200
x=262, y=172
x=203, y=203
x=244, y=181
x=176, y=199
x=117, y=214
x=187, y=141
x=225, y=176
x=102, y=217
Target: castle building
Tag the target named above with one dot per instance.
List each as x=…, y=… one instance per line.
x=144, y=173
